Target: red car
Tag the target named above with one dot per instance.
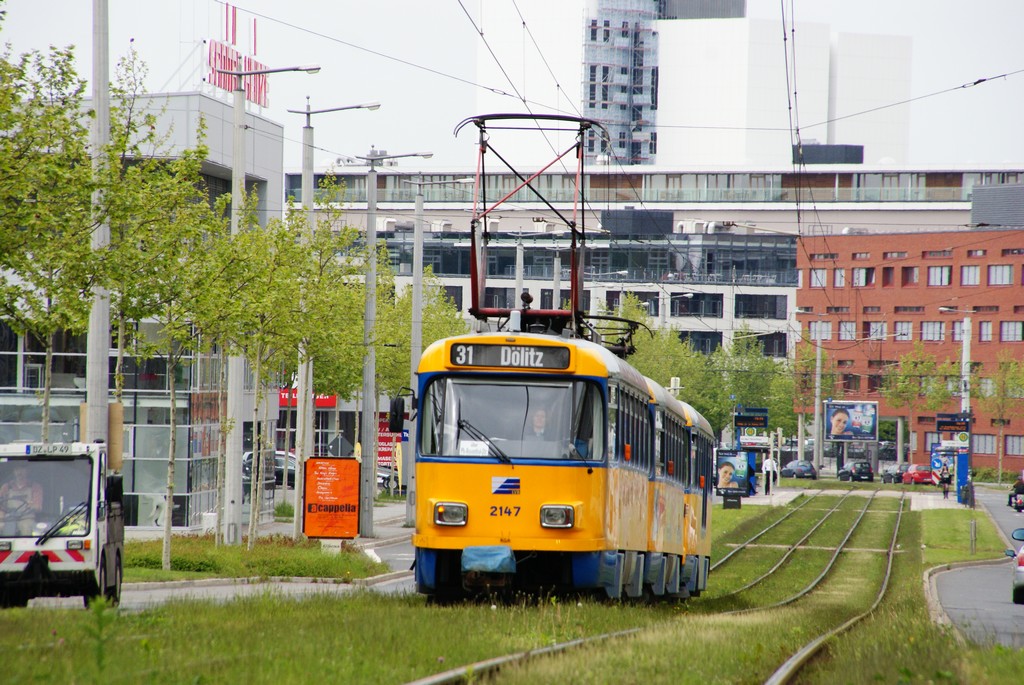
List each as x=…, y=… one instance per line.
x=918, y=473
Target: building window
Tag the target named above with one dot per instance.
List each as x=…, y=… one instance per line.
x=970, y=275
x=904, y=331
x=908, y=275
x=888, y=276
x=983, y=444
x=876, y=330
x=818, y=277
x=839, y=278
x=851, y=382
x=939, y=275
x=1015, y=445
x=976, y=253
x=830, y=256
x=847, y=330
x=894, y=255
x=986, y=387
x=933, y=330
x=1000, y=274
x=874, y=383
x=862, y=255
x=820, y=330
x=1011, y=331
x=863, y=276
x=985, y=331
x=912, y=309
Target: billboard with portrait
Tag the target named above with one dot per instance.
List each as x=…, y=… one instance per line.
x=731, y=470
x=846, y=421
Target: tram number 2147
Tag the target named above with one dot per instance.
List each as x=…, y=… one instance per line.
x=504, y=511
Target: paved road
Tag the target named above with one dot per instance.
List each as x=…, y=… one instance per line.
x=977, y=598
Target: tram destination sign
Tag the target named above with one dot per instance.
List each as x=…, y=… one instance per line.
x=517, y=356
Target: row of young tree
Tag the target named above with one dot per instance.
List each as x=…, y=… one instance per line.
x=171, y=258
x=740, y=375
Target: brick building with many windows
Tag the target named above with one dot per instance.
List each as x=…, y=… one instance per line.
x=869, y=298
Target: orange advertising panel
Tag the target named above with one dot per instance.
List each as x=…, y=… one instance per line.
x=332, y=498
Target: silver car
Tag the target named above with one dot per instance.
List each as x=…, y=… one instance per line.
x=1018, y=567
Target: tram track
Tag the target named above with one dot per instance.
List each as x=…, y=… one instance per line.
x=783, y=674
x=792, y=666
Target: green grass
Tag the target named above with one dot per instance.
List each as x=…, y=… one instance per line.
x=195, y=557
x=360, y=637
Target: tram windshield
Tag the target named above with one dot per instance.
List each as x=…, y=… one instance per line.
x=484, y=417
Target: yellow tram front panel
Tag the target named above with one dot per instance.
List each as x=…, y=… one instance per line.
x=504, y=504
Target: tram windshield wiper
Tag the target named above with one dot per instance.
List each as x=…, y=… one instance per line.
x=475, y=433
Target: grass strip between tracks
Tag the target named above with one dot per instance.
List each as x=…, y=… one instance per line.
x=370, y=639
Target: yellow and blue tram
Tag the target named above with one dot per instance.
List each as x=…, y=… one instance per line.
x=548, y=464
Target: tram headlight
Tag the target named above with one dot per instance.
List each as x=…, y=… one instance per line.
x=450, y=513
x=557, y=516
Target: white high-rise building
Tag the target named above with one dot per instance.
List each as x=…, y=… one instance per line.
x=683, y=92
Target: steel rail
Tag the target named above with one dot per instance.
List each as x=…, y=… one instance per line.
x=817, y=581
x=789, y=552
x=765, y=530
x=795, y=663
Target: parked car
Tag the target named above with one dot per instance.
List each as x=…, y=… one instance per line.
x=1018, y=567
x=857, y=470
x=917, y=474
x=268, y=479
x=799, y=468
x=279, y=458
x=277, y=465
x=894, y=473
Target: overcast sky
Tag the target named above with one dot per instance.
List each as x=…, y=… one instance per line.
x=417, y=58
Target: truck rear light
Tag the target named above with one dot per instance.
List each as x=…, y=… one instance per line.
x=75, y=544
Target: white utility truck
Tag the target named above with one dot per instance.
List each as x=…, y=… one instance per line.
x=61, y=522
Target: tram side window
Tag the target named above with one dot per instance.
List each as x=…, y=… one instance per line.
x=676, y=448
x=433, y=412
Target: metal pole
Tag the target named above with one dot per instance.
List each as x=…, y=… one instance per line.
x=97, y=373
x=304, y=391
x=368, y=426
x=965, y=368
x=556, y=293
x=516, y=302
x=416, y=349
x=236, y=364
x=817, y=402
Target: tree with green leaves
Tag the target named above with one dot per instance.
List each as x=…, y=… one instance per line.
x=917, y=382
x=1001, y=394
x=440, y=319
x=45, y=202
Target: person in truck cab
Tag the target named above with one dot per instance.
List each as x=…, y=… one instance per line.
x=20, y=501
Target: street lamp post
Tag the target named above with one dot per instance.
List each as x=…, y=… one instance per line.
x=304, y=391
x=368, y=425
x=416, y=339
x=965, y=376
x=232, y=521
x=818, y=451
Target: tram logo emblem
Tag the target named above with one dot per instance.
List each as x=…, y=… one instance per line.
x=504, y=486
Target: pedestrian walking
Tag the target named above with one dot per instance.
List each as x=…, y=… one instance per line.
x=945, y=479
x=770, y=471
